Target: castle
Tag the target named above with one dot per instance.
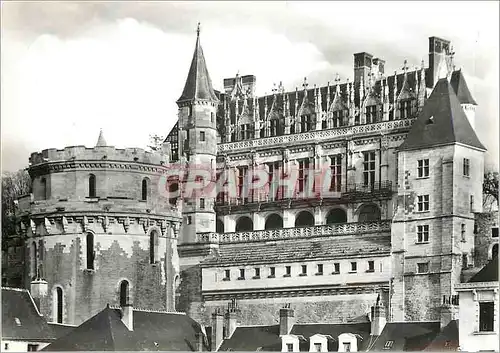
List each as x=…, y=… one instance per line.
x=406, y=172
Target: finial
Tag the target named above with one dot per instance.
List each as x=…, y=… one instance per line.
x=337, y=78
x=198, y=29
x=274, y=88
x=305, y=84
x=422, y=63
x=405, y=66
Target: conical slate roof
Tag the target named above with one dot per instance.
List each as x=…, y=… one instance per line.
x=198, y=83
x=101, y=141
x=441, y=122
x=459, y=85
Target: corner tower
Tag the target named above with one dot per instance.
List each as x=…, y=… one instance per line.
x=198, y=136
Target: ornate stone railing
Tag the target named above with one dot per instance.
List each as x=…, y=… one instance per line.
x=293, y=233
x=318, y=135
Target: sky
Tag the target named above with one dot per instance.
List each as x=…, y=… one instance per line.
x=72, y=68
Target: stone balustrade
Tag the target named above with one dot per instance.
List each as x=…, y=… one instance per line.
x=294, y=233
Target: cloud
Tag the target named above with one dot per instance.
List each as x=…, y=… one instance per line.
x=71, y=68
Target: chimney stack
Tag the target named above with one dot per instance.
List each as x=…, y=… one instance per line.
x=38, y=291
x=287, y=319
x=439, y=50
x=231, y=319
x=362, y=66
x=217, y=329
x=449, y=310
x=378, y=319
x=128, y=316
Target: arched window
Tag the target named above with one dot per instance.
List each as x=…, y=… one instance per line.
x=34, y=260
x=92, y=186
x=494, y=251
x=369, y=213
x=145, y=189
x=153, y=247
x=58, y=305
x=219, y=226
x=244, y=224
x=43, y=189
x=90, y=251
x=274, y=221
x=304, y=219
x=124, y=293
x=336, y=215
x=173, y=188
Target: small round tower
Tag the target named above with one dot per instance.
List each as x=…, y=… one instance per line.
x=99, y=231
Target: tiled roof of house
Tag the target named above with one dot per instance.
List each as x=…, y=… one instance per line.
x=152, y=331
x=251, y=338
x=459, y=85
x=293, y=250
x=60, y=330
x=447, y=339
x=488, y=273
x=21, y=319
x=406, y=336
x=442, y=121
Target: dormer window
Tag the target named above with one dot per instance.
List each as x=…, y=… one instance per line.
x=338, y=115
x=305, y=123
x=317, y=347
x=245, y=131
x=289, y=347
x=388, y=344
x=371, y=114
x=405, y=109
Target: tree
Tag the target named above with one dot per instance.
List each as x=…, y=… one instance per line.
x=14, y=185
x=155, y=142
x=490, y=190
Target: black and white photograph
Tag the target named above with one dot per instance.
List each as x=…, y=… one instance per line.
x=274, y=176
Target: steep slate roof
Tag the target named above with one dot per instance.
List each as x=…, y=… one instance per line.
x=30, y=325
x=152, y=331
x=198, y=83
x=406, y=336
x=60, y=330
x=299, y=249
x=488, y=273
x=447, y=339
x=449, y=123
x=250, y=338
x=459, y=85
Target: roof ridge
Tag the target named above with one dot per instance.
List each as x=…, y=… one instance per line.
x=15, y=289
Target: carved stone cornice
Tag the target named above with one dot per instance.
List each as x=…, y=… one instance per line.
x=71, y=165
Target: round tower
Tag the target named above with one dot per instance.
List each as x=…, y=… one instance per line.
x=98, y=231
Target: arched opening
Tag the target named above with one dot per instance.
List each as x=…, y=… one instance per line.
x=274, y=221
x=368, y=213
x=153, y=247
x=304, y=219
x=90, y=251
x=494, y=251
x=219, y=226
x=58, y=305
x=92, y=186
x=173, y=188
x=34, y=262
x=145, y=189
x=336, y=215
x=43, y=189
x=244, y=224
x=124, y=293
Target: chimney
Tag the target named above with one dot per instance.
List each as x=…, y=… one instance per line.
x=231, y=319
x=217, y=329
x=128, y=316
x=439, y=49
x=38, y=291
x=378, y=319
x=362, y=66
x=378, y=68
x=449, y=310
x=287, y=319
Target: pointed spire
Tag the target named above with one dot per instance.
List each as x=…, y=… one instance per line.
x=198, y=84
x=101, y=141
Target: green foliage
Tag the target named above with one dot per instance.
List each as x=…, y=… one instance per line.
x=490, y=189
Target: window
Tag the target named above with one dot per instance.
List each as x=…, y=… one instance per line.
x=59, y=305
x=466, y=169
x=6, y=346
x=190, y=111
x=246, y=131
x=153, y=247
x=369, y=168
x=34, y=260
x=320, y=269
x=242, y=176
x=423, y=233
x=32, y=347
x=274, y=125
x=274, y=176
x=423, y=267
x=337, y=118
x=212, y=117
x=303, y=170
x=388, y=344
x=272, y=272
x=189, y=220
x=371, y=266
x=423, y=168
x=336, y=170
x=289, y=347
x=423, y=203
x=317, y=347
x=227, y=275
x=92, y=185
x=347, y=346
x=486, y=316
x=371, y=114
x=124, y=293
x=336, y=268
x=202, y=203
x=43, y=189
x=242, y=273
x=304, y=270
x=472, y=203
x=257, y=273
x=405, y=109
x=462, y=232
x=305, y=123
x=464, y=261
x=90, y=251
x=288, y=271
x=354, y=266
x=144, y=190
x=494, y=232
x=202, y=135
